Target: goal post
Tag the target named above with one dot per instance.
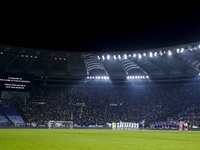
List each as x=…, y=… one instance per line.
x=60, y=124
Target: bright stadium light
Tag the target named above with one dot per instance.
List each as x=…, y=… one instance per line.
x=128, y=77
x=155, y=54
x=119, y=56
x=125, y=56
x=114, y=57
x=139, y=56
x=108, y=57
x=182, y=49
x=169, y=53
x=151, y=54
x=144, y=54
x=103, y=57
x=129, y=55
x=147, y=77
x=134, y=55
x=178, y=50
x=98, y=57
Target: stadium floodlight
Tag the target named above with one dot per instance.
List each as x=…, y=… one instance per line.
x=103, y=57
x=88, y=77
x=139, y=56
x=35, y=56
x=169, y=52
x=147, y=77
x=125, y=56
x=129, y=55
x=177, y=50
x=128, y=77
x=119, y=56
x=131, y=77
x=182, y=49
x=98, y=57
x=143, y=77
x=22, y=55
x=108, y=57
x=99, y=77
x=155, y=54
x=151, y=54
x=144, y=54
x=134, y=55
x=114, y=57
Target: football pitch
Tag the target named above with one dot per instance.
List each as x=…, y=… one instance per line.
x=82, y=139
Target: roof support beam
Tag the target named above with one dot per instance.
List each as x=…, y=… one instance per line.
x=187, y=63
x=141, y=68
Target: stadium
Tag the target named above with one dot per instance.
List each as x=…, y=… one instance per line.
x=42, y=89
x=101, y=82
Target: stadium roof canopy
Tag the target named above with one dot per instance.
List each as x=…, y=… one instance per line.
x=179, y=61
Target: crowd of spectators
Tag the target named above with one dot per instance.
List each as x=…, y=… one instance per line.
x=86, y=105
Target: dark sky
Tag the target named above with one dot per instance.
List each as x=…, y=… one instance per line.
x=106, y=32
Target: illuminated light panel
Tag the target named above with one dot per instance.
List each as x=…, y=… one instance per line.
x=97, y=77
x=125, y=56
x=182, y=49
x=137, y=77
x=151, y=54
x=169, y=53
x=139, y=56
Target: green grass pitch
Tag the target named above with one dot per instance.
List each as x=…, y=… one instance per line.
x=82, y=139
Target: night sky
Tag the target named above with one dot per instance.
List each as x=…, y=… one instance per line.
x=106, y=31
